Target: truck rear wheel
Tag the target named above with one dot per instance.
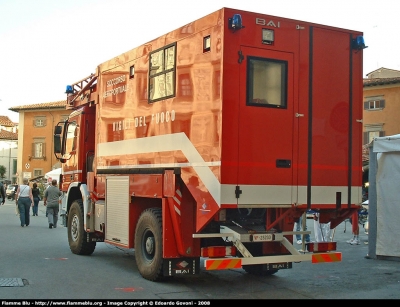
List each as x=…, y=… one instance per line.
x=76, y=234
x=257, y=269
x=148, y=244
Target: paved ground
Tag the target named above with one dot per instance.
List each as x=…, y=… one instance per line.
x=36, y=263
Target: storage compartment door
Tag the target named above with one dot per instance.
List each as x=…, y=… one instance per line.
x=117, y=208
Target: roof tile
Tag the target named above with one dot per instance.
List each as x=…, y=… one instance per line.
x=38, y=106
x=8, y=135
x=6, y=122
x=380, y=81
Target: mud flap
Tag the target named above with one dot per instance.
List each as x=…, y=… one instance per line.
x=93, y=237
x=277, y=266
x=181, y=266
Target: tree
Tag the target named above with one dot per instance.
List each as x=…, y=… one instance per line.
x=2, y=171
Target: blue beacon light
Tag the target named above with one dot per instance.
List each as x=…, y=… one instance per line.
x=69, y=90
x=358, y=43
x=235, y=22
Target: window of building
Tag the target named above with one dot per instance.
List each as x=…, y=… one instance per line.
x=37, y=172
x=371, y=132
x=162, y=73
x=132, y=71
x=39, y=121
x=266, y=82
x=207, y=43
x=38, y=148
x=374, y=103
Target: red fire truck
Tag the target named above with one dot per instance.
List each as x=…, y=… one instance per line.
x=205, y=145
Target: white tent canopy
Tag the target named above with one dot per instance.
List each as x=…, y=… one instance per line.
x=53, y=174
x=384, y=196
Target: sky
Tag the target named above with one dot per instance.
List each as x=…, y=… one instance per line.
x=48, y=44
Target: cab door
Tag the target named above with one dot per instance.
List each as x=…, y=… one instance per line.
x=266, y=133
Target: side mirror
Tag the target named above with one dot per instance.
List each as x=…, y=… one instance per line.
x=57, y=143
x=57, y=130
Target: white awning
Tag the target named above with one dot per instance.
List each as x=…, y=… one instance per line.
x=53, y=174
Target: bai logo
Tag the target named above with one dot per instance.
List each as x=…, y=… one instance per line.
x=271, y=23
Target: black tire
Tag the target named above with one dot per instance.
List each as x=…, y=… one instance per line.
x=148, y=244
x=76, y=234
x=258, y=270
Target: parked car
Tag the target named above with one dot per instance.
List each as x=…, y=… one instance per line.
x=11, y=190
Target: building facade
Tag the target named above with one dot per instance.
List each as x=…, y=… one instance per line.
x=381, y=112
x=381, y=92
x=8, y=149
x=35, y=138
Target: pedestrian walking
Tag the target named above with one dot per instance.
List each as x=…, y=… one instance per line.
x=299, y=227
x=36, y=199
x=322, y=230
x=355, y=230
x=3, y=194
x=24, y=201
x=51, y=201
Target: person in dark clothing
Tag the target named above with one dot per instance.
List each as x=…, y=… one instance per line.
x=2, y=193
x=36, y=199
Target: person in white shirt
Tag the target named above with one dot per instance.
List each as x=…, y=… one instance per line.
x=24, y=201
x=322, y=230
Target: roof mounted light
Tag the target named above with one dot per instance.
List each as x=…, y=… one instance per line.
x=268, y=36
x=358, y=43
x=235, y=22
x=69, y=90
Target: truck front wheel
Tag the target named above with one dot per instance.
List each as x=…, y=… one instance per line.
x=76, y=234
x=148, y=244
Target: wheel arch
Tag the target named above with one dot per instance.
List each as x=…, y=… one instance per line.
x=78, y=191
x=141, y=204
x=77, y=238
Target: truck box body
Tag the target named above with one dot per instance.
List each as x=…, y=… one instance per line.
x=239, y=120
